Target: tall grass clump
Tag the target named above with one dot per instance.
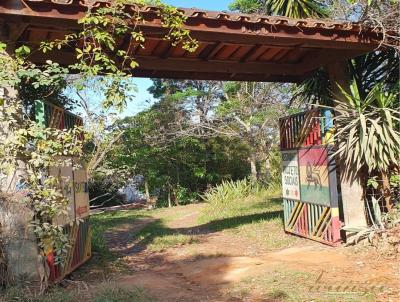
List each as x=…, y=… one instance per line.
x=230, y=190
x=237, y=198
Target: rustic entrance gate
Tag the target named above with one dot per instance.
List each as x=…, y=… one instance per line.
x=232, y=47
x=309, y=178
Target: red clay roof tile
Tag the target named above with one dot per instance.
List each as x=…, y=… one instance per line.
x=236, y=17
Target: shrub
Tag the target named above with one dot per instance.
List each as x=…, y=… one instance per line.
x=230, y=190
x=104, y=186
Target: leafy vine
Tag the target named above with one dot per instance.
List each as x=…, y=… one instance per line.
x=28, y=150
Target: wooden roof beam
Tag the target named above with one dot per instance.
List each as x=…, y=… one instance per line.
x=257, y=69
x=190, y=65
x=216, y=76
x=316, y=59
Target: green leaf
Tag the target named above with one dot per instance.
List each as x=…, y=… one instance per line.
x=134, y=64
x=3, y=46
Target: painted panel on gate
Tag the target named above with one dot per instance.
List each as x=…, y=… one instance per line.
x=314, y=176
x=65, y=176
x=290, y=175
x=81, y=193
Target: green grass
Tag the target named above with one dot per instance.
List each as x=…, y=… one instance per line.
x=240, y=208
x=156, y=235
x=104, y=222
x=256, y=216
x=160, y=243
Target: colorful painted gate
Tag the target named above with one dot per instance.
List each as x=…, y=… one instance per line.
x=309, y=176
x=74, y=185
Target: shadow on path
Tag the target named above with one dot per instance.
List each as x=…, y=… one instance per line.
x=133, y=239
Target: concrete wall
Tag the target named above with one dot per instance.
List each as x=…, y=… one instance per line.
x=20, y=248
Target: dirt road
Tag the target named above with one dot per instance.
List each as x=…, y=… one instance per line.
x=219, y=266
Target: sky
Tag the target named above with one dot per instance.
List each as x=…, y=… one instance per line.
x=144, y=99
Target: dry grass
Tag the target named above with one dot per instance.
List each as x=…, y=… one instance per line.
x=104, y=293
x=285, y=285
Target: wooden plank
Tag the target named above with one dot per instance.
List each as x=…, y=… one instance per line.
x=211, y=53
x=161, y=49
x=240, y=52
x=269, y=54
x=281, y=55
x=226, y=52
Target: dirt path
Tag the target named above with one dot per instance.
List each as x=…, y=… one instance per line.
x=217, y=264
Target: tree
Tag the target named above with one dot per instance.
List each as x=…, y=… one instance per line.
x=373, y=103
x=383, y=14
x=299, y=9
x=197, y=98
x=101, y=135
x=249, y=112
x=233, y=111
x=250, y=109
x=175, y=163
x=368, y=134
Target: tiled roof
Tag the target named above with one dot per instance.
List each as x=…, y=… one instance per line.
x=232, y=46
x=234, y=17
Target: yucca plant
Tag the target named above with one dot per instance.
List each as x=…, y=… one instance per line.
x=368, y=134
x=229, y=191
x=289, y=8
x=297, y=8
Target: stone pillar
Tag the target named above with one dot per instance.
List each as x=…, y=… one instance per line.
x=352, y=194
x=18, y=242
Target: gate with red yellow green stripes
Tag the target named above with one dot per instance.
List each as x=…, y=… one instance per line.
x=309, y=176
x=73, y=181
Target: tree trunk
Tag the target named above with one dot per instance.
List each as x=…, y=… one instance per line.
x=253, y=166
x=267, y=168
x=175, y=198
x=169, y=198
x=146, y=190
x=386, y=190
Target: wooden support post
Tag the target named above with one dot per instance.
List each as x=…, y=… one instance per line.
x=352, y=193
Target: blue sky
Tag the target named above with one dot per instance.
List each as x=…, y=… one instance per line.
x=204, y=4
x=144, y=99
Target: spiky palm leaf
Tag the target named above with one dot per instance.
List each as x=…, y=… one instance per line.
x=368, y=135
x=288, y=8
x=314, y=90
x=297, y=8
x=365, y=70
x=378, y=66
